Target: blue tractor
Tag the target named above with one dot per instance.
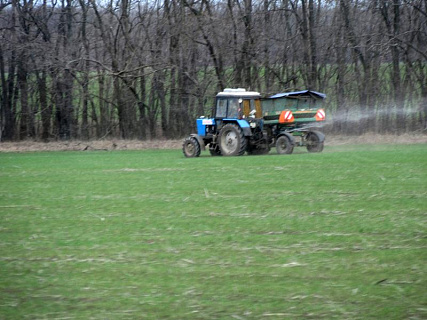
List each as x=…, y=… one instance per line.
x=235, y=128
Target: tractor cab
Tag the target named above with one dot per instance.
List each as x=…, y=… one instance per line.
x=237, y=104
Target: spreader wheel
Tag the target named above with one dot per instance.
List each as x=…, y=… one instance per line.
x=284, y=145
x=191, y=147
x=232, y=141
x=314, y=142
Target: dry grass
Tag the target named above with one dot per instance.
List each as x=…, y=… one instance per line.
x=115, y=144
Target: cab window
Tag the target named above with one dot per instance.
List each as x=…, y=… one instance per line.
x=221, y=108
x=227, y=108
x=233, y=108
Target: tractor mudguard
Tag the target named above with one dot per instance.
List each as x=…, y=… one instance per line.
x=319, y=134
x=291, y=137
x=243, y=124
x=200, y=140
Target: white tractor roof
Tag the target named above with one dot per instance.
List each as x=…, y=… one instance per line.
x=238, y=93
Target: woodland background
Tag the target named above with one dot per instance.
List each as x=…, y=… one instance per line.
x=93, y=69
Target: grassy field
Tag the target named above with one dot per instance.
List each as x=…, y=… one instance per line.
x=153, y=235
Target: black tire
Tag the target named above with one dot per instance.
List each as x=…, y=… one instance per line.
x=313, y=142
x=232, y=141
x=214, y=150
x=191, y=147
x=284, y=145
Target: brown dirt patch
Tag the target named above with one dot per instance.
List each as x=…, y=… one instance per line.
x=109, y=145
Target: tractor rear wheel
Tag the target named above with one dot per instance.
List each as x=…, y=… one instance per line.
x=232, y=141
x=191, y=147
x=284, y=145
x=314, y=143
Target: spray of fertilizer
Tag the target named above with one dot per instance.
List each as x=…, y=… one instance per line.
x=378, y=116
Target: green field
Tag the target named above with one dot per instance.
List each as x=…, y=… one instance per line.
x=153, y=235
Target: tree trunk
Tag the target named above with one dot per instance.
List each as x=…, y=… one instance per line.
x=45, y=106
x=85, y=72
x=7, y=116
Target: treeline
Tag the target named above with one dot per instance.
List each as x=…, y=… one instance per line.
x=90, y=69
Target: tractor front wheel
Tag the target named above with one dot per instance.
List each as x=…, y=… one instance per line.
x=232, y=141
x=314, y=142
x=284, y=145
x=191, y=147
